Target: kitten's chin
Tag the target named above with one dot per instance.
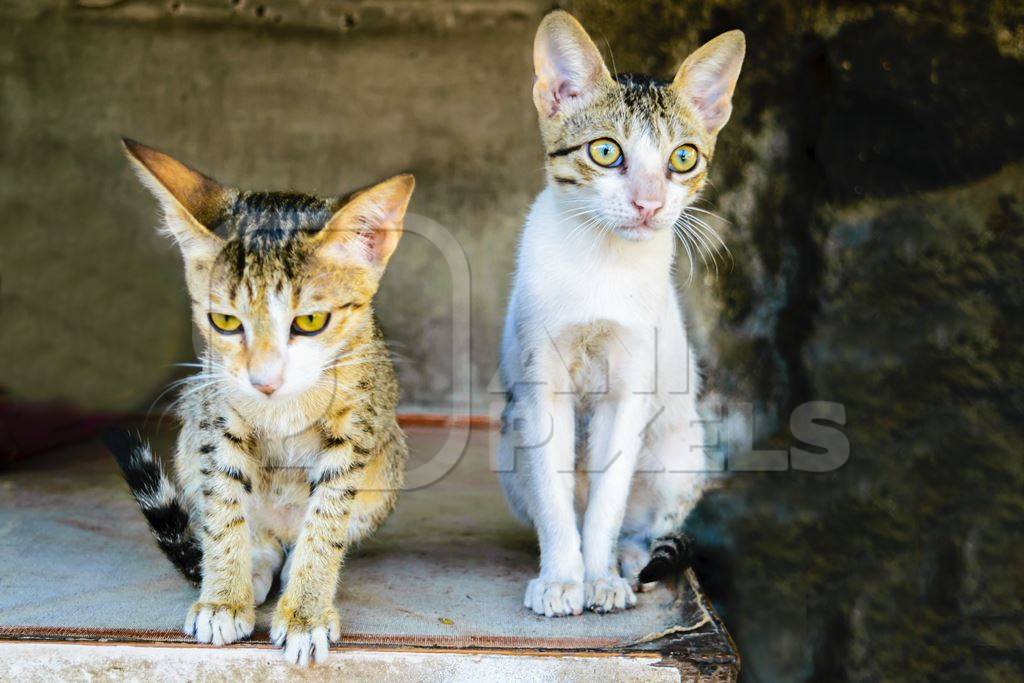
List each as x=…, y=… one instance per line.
x=636, y=233
x=257, y=399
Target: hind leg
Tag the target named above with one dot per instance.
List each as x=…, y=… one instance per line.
x=676, y=470
x=634, y=554
x=634, y=546
x=267, y=555
x=668, y=484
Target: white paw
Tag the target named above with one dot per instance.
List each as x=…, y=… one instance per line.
x=302, y=642
x=554, y=598
x=609, y=594
x=219, y=624
x=262, y=580
x=633, y=558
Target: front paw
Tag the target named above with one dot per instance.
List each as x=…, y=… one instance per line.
x=609, y=594
x=554, y=598
x=303, y=634
x=220, y=623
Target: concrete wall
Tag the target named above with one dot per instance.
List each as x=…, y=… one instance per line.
x=318, y=96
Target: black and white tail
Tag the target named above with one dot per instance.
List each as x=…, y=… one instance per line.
x=669, y=555
x=159, y=500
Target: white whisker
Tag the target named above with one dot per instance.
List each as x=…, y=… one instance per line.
x=709, y=234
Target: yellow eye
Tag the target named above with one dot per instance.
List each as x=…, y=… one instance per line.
x=311, y=323
x=684, y=158
x=605, y=152
x=225, y=324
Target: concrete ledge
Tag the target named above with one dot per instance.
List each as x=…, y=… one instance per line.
x=436, y=594
x=47, y=661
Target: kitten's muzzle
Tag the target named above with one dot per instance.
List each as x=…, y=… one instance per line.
x=646, y=208
x=267, y=375
x=267, y=387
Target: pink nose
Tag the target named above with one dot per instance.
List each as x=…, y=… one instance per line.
x=266, y=371
x=267, y=385
x=646, y=207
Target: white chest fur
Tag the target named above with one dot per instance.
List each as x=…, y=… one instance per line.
x=594, y=326
x=591, y=311
x=572, y=273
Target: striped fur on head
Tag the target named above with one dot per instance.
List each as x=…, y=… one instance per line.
x=579, y=101
x=266, y=258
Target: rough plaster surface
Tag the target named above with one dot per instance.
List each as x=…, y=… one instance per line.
x=440, y=89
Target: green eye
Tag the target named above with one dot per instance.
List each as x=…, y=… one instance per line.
x=683, y=159
x=605, y=152
x=225, y=324
x=311, y=323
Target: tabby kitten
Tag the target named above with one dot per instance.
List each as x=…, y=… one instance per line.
x=289, y=450
x=602, y=385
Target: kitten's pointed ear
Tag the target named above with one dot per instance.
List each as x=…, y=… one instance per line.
x=567, y=64
x=708, y=77
x=191, y=201
x=367, y=228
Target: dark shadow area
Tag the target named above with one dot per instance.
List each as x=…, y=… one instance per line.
x=872, y=177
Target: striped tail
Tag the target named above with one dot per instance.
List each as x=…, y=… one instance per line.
x=669, y=555
x=159, y=500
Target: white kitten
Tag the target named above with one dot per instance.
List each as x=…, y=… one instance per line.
x=595, y=357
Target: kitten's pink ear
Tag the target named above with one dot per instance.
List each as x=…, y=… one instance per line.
x=708, y=77
x=191, y=201
x=567, y=64
x=367, y=228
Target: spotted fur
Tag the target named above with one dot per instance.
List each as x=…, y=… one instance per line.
x=279, y=484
